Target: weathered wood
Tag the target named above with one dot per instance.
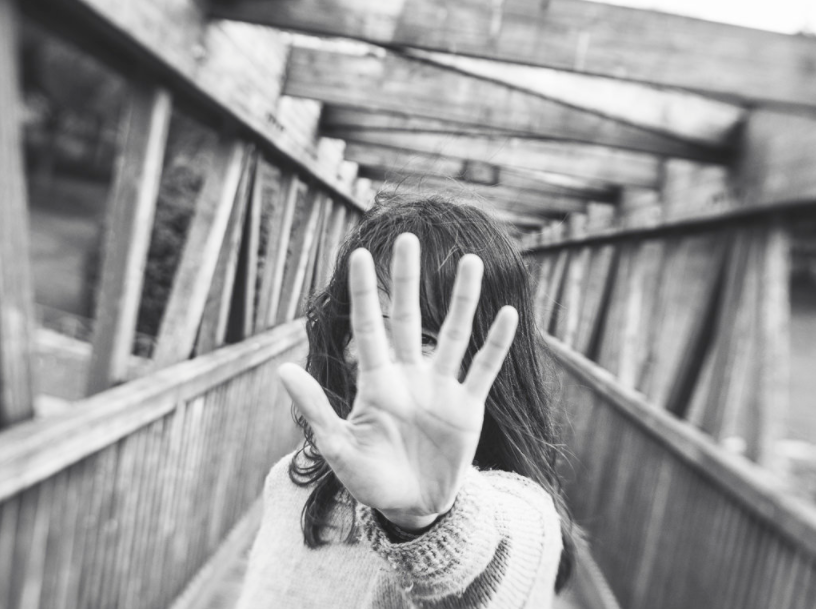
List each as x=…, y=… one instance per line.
x=242, y=312
x=328, y=255
x=573, y=35
x=300, y=248
x=33, y=451
x=16, y=291
x=280, y=227
x=585, y=161
x=757, y=492
x=516, y=200
x=127, y=233
x=693, y=117
x=200, y=254
x=231, y=67
x=402, y=84
x=213, y=329
x=392, y=164
x=324, y=204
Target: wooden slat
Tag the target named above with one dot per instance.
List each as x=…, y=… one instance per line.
x=585, y=161
x=232, y=67
x=757, y=492
x=279, y=230
x=574, y=35
x=300, y=247
x=393, y=164
x=402, y=84
x=241, y=321
x=335, y=228
x=127, y=233
x=16, y=291
x=213, y=329
x=35, y=450
x=200, y=254
x=693, y=117
x=324, y=204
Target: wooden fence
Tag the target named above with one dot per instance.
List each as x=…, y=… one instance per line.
x=671, y=337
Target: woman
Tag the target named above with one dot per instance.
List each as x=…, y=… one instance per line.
x=428, y=473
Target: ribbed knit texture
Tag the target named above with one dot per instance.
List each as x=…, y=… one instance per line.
x=498, y=547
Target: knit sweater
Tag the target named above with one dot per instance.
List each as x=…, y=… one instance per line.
x=498, y=547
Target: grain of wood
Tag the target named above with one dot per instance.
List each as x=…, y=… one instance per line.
x=199, y=257
x=130, y=211
x=213, y=329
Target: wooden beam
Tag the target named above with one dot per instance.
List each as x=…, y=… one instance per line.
x=213, y=329
x=503, y=197
x=574, y=35
x=297, y=261
x=383, y=162
x=461, y=193
x=279, y=233
x=127, y=233
x=687, y=115
x=16, y=291
x=585, y=161
x=227, y=67
x=397, y=83
x=202, y=246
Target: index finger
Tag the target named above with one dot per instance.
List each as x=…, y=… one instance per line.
x=366, y=314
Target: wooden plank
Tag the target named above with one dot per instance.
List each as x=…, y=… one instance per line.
x=334, y=236
x=127, y=233
x=198, y=259
x=510, y=199
x=16, y=290
x=300, y=247
x=690, y=116
x=757, y=492
x=398, y=83
x=230, y=67
x=213, y=329
x=595, y=292
x=279, y=232
x=324, y=204
x=241, y=321
x=585, y=161
x=393, y=164
x=573, y=35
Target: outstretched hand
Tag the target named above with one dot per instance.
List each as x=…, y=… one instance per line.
x=414, y=427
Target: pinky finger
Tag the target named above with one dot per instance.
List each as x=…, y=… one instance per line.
x=488, y=361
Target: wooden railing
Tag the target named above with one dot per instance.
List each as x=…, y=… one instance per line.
x=674, y=520
x=120, y=501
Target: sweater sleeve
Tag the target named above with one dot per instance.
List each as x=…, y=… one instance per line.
x=499, y=546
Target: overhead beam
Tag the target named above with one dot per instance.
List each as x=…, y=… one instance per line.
x=395, y=83
x=462, y=196
x=393, y=164
x=512, y=200
x=588, y=162
x=575, y=35
x=680, y=113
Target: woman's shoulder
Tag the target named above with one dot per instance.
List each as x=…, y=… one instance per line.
x=521, y=490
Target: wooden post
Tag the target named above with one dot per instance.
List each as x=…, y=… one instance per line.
x=280, y=226
x=131, y=209
x=16, y=292
x=202, y=246
x=213, y=328
x=296, y=268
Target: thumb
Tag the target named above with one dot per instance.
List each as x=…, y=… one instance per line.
x=310, y=399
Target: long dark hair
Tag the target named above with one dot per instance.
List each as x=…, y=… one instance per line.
x=518, y=434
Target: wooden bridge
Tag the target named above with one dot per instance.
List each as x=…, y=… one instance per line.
x=659, y=171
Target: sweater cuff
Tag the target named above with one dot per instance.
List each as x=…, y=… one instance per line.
x=449, y=556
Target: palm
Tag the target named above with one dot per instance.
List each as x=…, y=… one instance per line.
x=414, y=427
